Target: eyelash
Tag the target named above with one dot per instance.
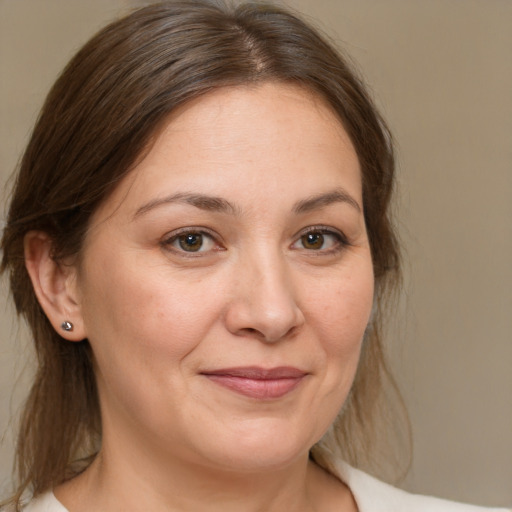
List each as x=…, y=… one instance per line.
x=174, y=237
x=340, y=241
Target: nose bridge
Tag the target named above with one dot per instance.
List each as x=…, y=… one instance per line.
x=272, y=282
x=264, y=301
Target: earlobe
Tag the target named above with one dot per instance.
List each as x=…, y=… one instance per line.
x=55, y=286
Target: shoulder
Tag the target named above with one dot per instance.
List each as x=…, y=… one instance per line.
x=46, y=502
x=372, y=495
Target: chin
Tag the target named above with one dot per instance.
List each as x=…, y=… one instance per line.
x=257, y=461
x=268, y=448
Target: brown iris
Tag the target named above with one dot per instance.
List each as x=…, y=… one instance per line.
x=313, y=241
x=191, y=242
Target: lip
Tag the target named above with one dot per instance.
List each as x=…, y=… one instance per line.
x=256, y=382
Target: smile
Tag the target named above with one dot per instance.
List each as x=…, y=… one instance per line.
x=258, y=383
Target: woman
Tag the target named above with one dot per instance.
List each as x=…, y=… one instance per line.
x=200, y=240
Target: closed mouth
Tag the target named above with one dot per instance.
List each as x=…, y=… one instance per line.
x=256, y=382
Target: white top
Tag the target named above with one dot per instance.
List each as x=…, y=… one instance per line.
x=371, y=495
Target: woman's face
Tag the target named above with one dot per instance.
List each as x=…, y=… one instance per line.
x=226, y=285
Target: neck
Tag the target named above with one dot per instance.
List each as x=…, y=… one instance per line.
x=179, y=487
x=137, y=476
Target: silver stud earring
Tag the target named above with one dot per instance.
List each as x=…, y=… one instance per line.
x=67, y=326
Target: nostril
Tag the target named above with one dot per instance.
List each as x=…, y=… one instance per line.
x=258, y=317
x=251, y=331
x=269, y=337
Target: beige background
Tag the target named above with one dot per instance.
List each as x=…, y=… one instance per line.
x=442, y=73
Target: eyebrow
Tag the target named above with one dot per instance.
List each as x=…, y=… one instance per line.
x=201, y=201
x=319, y=201
x=221, y=205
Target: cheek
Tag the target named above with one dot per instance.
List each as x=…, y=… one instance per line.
x=142, y=323
x=340, y=313
x=343, y=306
x=141, y=313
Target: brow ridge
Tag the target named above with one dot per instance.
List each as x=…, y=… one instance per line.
x=325, y=199
x=201, y=201
x=219, y=204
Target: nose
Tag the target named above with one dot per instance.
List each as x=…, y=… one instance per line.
x=264, y=303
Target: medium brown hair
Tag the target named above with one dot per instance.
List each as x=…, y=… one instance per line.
x=97, y=121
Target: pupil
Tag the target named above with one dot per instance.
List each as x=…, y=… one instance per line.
x=191, y=242
x=313, y=240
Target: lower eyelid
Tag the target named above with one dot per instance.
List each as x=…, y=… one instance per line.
x=340, y=237
x=169, y=241
x=338, y=244
x=340, y=240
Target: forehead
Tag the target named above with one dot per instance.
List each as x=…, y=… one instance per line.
x=242, y=139
x=271, y=113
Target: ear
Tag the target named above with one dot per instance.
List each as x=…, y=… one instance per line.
x=55, y=285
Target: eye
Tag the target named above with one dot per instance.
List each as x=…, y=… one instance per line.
x=314, y=241
x=190, y=241
x=321, y=240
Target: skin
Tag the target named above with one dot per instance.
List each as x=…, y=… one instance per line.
x=276, y=271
